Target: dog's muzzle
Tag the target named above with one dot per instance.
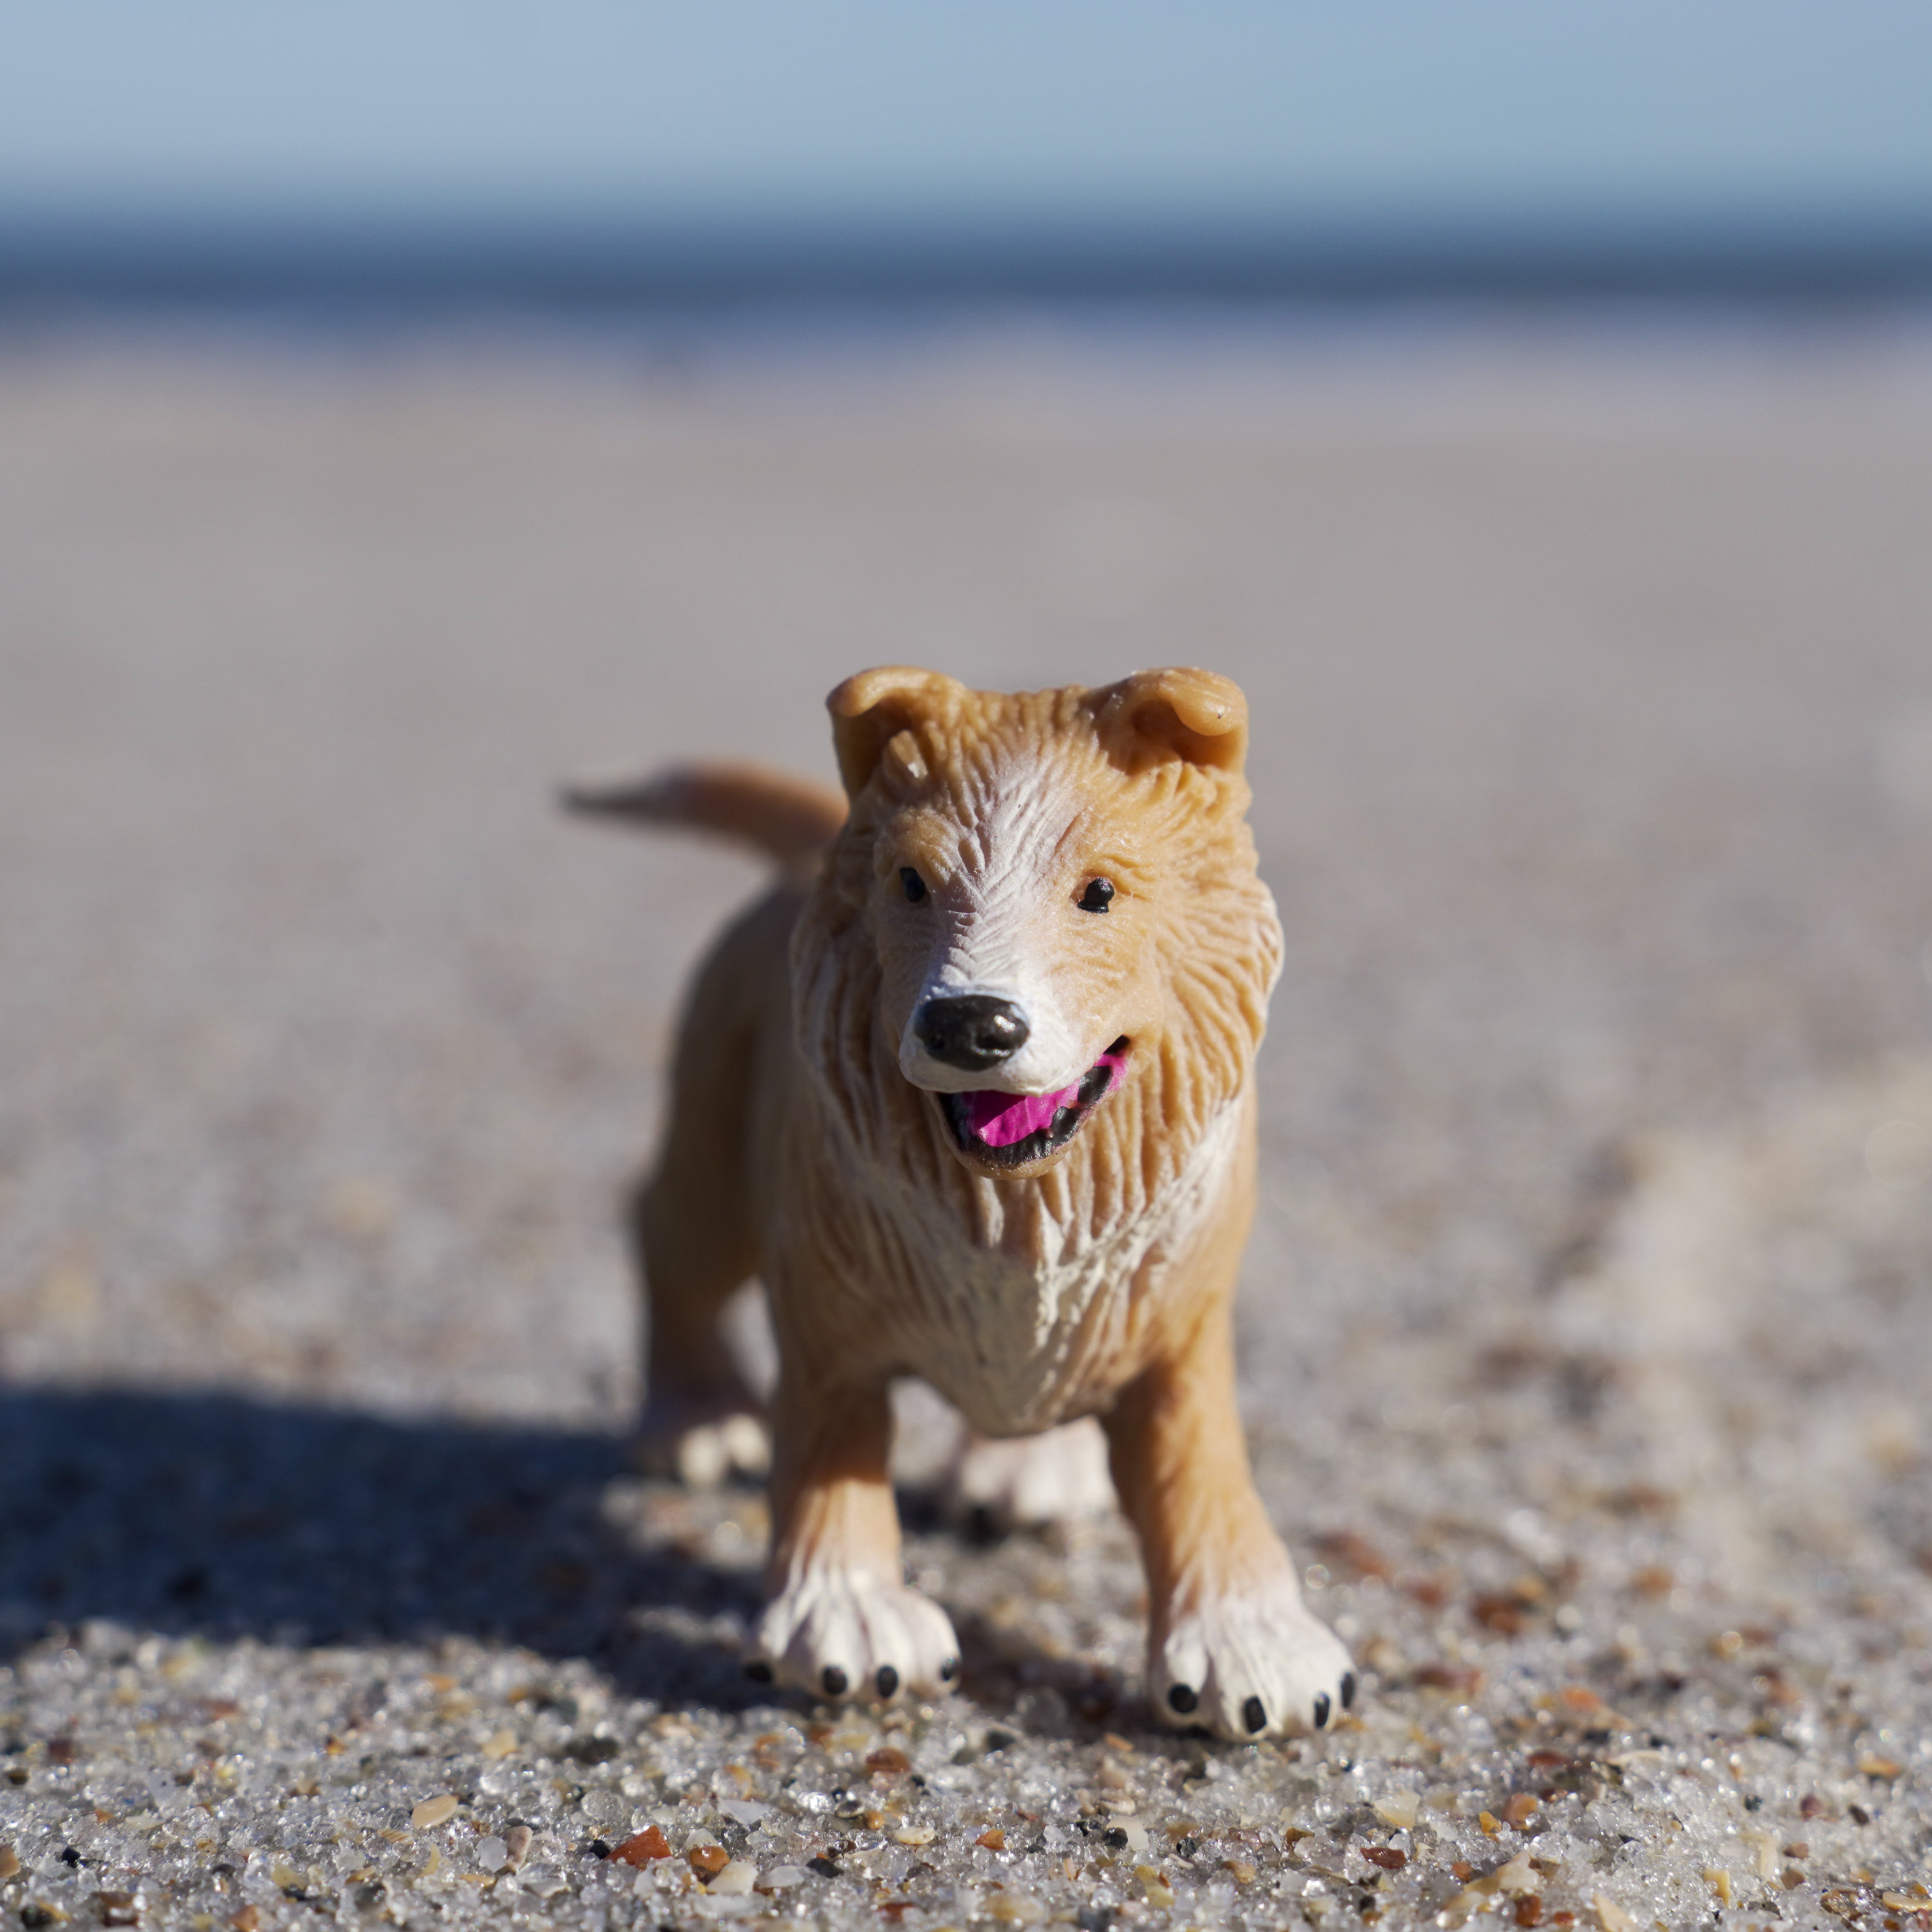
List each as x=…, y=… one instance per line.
x=973, y=1031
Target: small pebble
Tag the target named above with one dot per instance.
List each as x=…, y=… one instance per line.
x=1400, y=1809
x=642, y=1848
x=517, y=1839
x=1015, y=1908
x=1156, y=1888
x=544, y=1881
x=492, y=1854
x=434, y=1811
x=915, y=1834
x=1518, y=1876
x=10, y=1862
x=736, y=1877
x=500, y=1744
x=781, y=1878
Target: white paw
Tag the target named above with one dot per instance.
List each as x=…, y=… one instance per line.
x=1024, y=1481
x=849, y=1633
x=1247, y=1664
x=700, y=1450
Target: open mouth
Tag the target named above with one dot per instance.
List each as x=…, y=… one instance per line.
x=1009, y=1130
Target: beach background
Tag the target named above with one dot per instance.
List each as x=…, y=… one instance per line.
x=1567, y=526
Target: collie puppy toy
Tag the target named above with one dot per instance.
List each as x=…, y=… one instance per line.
x=970, y=1091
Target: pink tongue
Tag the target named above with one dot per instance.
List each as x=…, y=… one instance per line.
x=1001, y=1119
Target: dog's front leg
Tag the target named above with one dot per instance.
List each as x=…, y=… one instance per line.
x=1229, y=1643
x=841, y=1620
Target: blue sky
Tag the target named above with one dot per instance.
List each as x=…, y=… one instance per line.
x=844, y=110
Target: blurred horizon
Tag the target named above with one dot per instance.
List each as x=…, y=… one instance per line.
x=213, y=152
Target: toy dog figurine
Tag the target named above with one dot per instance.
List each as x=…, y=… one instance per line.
x=971, y=1092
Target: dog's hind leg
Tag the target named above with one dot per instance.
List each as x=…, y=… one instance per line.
x=692, y=1222
x=701, y=1421
x=1026, y=1482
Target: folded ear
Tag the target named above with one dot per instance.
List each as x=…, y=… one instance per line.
x=869, y=712
x=1196, y=714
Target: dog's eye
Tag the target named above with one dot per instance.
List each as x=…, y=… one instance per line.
x=915, y=887
x=1098, y=896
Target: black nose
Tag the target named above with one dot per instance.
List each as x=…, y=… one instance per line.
x=972, y=1032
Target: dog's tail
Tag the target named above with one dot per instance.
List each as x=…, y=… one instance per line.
x=791, y=821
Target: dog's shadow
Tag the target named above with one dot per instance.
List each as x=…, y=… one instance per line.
x=228, y=1517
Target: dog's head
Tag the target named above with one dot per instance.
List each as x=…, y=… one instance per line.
x=1059, y=888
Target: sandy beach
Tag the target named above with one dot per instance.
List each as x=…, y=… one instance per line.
x=1588, y=1342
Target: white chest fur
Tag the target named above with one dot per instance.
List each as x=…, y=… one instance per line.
x=1021, y=1326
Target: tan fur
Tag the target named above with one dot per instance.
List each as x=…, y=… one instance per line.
x=809, y=1145
x=791, y=820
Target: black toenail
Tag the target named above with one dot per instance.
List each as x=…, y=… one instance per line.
x=949, y=1670
x=1254, y=1714
x=758, y=1671
x=1183, y=1698
x=1347, y=1689
x=1320, y=1710
x=887, y=1679
x=835, y=1681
